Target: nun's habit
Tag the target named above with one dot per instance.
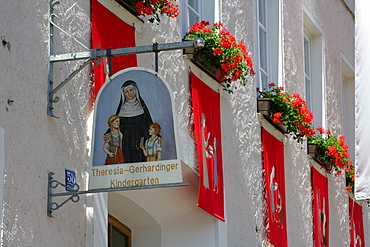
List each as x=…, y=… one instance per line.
x=135, y=120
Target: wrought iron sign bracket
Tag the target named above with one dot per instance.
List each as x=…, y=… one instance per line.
x=95, y=54
x=74, y=192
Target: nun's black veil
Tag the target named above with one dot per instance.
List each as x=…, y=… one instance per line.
x=134, y=128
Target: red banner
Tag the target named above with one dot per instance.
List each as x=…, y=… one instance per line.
x=207, y=122
x=273, y=162
x=320, y=209
x=109, y=31
x=356, y=225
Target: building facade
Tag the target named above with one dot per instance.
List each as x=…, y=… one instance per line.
x=306, y=46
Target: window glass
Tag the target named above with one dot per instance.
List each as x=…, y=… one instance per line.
x=194, y=4
x=119, y=235
x=118, y=238
x=268, y=42
x=262, y=12
x=264, y=56
x=194, y=12
x=263, y=50
x=193, y=18
x=307, y=70
x=313, y=68
x=307, y=56
x=348, y=105
x=308, y=92
x=198, y=10
x=264, y=80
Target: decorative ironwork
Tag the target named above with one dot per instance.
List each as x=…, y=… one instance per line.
x=96, y=54
x=74, y=192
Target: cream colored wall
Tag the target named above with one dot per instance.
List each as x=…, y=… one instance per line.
x=242, y=141
x=35, y=143
x=338, y=36
x=241, y=135
x=241, y=130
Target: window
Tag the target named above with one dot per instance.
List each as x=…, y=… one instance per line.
x=119, y=235
x=348, y=104
x=198, y=10
x=263, y=38
x=313, y=67
x=193, y=11
x=307, y=70
x=268, y=42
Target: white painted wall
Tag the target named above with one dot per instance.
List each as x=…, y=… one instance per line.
x=241, y=137
x=35, y=143
x=297, y=175
x=2, y=164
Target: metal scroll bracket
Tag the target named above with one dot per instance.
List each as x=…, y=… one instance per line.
x=74, y=192
x=91, y=55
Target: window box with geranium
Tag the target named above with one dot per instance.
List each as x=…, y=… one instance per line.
x=350, y=178
x=222, y=57
x=350, y=181
x=288, y=110
x=349, y=171
x=266, y=107
x=154, y=8
x=331, y=151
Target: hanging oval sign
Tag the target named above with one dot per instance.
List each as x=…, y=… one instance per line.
x=134, y=137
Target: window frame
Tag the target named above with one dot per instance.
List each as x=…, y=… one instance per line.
x=120, y=227
x=272, y=27
x=209, y=10
x=263, y=45
x=307, y=69
x=197, y=14
x=348, y=102
x=313, y=30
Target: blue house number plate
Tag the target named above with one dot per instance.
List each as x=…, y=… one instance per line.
x=70, y=179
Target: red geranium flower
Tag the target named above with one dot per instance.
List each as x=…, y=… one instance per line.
x=348, y=189
x=223, y=52
x=155, y=8
x=277, y=116
x=290, y=111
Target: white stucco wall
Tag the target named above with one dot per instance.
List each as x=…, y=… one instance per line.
x=35, y=143
x=297, y=173
x=241, y=130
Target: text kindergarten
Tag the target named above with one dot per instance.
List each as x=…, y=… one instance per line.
x=135, y=174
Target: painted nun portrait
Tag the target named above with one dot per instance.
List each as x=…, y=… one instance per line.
x=135, y=120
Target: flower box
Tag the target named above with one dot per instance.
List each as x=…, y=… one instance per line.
x=224, y=59
x=290, y=111
x=155, y=9
x=266, y=107
x=200, y=59
x=332, y=151
x=312, y=149
x=129, y=8
x=313, y=152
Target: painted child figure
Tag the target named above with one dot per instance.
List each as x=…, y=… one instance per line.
x=113, y=144
x=153, y=146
